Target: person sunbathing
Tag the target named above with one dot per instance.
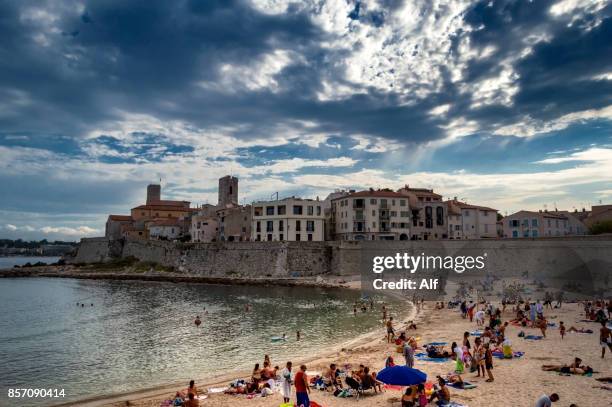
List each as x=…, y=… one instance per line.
x=580, y=330
x=330, y=377
x=454, y=378
x=436, y=352
x=574, y=368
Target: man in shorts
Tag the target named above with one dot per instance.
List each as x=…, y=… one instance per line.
x=605, y=338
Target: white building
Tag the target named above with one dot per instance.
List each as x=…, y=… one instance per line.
x=467, y=221
x=165, y=229
x=289, y=219
x=371, y=215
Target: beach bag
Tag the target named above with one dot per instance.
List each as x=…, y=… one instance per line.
x=507, y=349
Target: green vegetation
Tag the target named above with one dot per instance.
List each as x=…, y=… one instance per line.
x=604, y=226
x=22, y=244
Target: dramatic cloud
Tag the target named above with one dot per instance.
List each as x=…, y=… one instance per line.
x=99, y=98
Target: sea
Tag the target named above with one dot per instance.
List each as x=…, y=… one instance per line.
x=102, y=337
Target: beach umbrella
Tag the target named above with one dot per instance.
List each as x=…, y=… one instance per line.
x=401, y=376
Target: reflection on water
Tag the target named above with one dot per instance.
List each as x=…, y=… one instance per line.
x=141, y=334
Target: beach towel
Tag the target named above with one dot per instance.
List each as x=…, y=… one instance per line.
x=476, y=333
x=435, y=344
x=424, y=358
x=214, y=390
x=453, y=404
x=466, y=386
x=393, y=387
x=533, y=337
x=500, y=355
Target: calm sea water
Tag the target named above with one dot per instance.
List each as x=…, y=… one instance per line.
x=9, y=262
x=141, y=334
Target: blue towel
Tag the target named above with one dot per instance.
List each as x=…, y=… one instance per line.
x=424, y=358
x=534, y=337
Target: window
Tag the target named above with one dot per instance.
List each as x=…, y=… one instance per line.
x=281, y=237
x=318, y=210
x=440, y=216
x=297, y=209
x=281, y=225
x=269, y=210
x=393, y=214
x=297, y=237
x=258, y=238
x=383, y=203
x=269, y=237
x=393, y=202
x=310, y=226
x=534, y=233
x=281, y=209
x=404, y=214
x=269, y=226
x=514, y=223
x=358, y=203
x=310, y=237
x=373, y=212
x=514, y=233
x=310, y=211
x=466, y=213
x=298, y=225
x=258, y=228
x=534, y=223
x=374, y=225
x=402, y=202
x=372, y=201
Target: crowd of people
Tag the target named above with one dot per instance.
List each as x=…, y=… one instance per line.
x=472, y=353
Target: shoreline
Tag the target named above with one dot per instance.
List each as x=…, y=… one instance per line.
x=322, y=281
x=153, y=393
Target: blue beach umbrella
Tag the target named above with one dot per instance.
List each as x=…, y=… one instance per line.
x=401, y=376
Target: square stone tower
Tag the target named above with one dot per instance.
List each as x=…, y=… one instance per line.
x=228, y=190
x=153, y=193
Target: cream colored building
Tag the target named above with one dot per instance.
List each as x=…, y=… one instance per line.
x=371, y=215
x=289, y=219
x=204, y=227
x=466, y=221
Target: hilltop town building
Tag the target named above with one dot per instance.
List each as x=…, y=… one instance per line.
x=234, y=223
x=371, y=215
x=541, y=224
x=467, y=221
x=427, y=212
x=290, y=219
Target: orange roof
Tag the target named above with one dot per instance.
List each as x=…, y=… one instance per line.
x=464, y=205
x=374, y=194
x=171, y=203
x=120, y=217
x=165, y=208
x=164, y=222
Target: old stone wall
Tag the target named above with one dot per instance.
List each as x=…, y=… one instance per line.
x=285, y=259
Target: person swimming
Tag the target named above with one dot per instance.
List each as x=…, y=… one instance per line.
x=197, y=321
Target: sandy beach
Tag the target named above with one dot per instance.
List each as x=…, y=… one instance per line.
x=518, y=382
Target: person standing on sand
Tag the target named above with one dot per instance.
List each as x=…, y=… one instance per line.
x=605, y=338
x=408, y=354
x=546, y=401
x=561, y=329
x=302, y=388
x=489, y=362
x=390, y=330
x=286, y=382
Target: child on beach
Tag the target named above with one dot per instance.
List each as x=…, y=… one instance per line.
x=422, y=397
x=286, y=382
x=488, y=362
x=561, y=329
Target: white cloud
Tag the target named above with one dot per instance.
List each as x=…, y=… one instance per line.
x=10, y=227
x=80, y=231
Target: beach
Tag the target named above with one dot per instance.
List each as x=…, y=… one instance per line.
x=518, y=382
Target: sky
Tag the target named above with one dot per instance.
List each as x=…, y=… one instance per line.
x=506, y=104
